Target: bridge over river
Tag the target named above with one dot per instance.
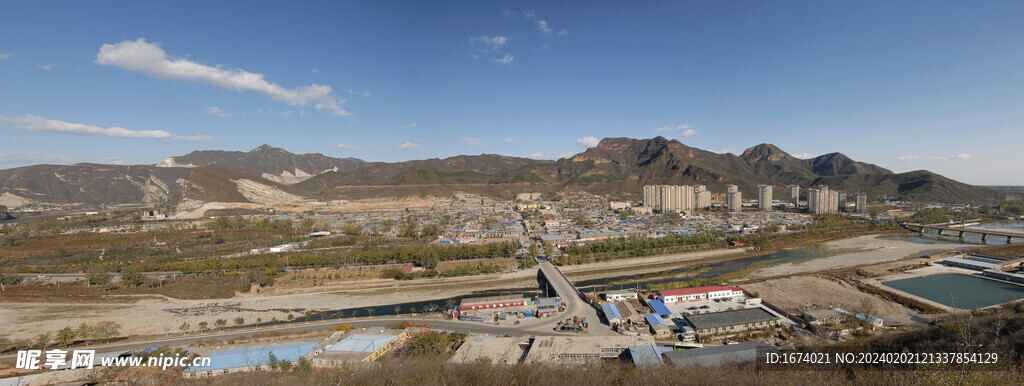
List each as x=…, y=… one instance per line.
x=961, y=228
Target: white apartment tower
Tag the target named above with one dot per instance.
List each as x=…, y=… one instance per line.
x=733, y=198
x=862, y=203
x=822, y=200
x=764, y=198
x=702, y=197
x=669, y=198
x=794, y=194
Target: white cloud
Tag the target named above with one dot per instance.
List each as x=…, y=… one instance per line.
x=42, y=158
x=958, y=157
x=39, y=124
x=364, y=93
x=542, y=25
x=726, y=151
x=149, y=59
x=803, y=155
x=587, y=142
x=553, y=156
x=215, y=111
x=530, y=14
x=345, y=146
x=408, y=146
x=383, y=149
x=506, y=60
x=46, y=67
x=286, y=113
x=35, y=158
x=563, y=32
x=409, y=126
x=495, y=42
x=4, y=56
x=472, y=141
x=509, y=140
x=666, y=129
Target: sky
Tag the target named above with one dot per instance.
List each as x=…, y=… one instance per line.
x=906, y=85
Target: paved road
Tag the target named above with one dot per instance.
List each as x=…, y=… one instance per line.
x=450, y=325
x=573, y=301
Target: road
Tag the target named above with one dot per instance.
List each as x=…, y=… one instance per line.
x=290, y=328
x=574, y=305
x=573, y=301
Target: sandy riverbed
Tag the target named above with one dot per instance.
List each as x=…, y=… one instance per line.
x=159, y=315
x=871, y=250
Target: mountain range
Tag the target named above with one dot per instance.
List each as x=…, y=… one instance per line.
x=271, y=175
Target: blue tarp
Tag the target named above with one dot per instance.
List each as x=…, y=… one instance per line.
x=654, y=320
x=610, y=311
x=254, y=356
x=659, y=308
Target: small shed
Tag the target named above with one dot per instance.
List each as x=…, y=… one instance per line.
x=611, y=313
x=658, y=307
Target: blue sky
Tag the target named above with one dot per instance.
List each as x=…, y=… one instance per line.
x=905, y=85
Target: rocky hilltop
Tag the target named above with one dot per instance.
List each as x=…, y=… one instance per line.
x=272, y=175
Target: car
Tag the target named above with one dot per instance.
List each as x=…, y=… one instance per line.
x=704, y=307
x=691, y=308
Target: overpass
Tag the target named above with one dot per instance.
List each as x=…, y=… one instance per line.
x=573, y=300
x=960, y=230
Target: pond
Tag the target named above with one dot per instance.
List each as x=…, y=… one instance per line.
x=959, y=291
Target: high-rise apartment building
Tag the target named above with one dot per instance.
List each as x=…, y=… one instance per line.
x=669, y=198
x=862, y=203
x=764, y=198
x=794, y=194
x=701, y=197
x=822, y=200
x=733, y=198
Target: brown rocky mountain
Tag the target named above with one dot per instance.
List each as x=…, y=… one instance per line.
x=90, y=184
x=268, y=162
x=616, y=165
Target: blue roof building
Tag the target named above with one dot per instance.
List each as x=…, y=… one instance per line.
x=658, y=307
x=611, y=313
x=223, y=362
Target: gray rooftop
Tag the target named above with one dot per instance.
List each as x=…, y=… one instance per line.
x=729, y=318
x=718, y=355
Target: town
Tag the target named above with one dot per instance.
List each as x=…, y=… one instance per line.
x=699, y=322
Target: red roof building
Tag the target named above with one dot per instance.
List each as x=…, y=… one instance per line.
x=699, y=293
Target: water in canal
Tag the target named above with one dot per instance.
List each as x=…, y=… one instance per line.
x=960, y=291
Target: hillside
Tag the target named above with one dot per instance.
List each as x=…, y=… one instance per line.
x=90, y=184
x=268, y=162
x=206, y=184
x=616, y=165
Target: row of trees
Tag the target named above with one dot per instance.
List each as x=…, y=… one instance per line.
x=639, y=246
x=101, y=331
x=429, y=255
x=239, y=222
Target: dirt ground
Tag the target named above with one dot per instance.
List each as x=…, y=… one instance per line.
x=874, y=250
x=800, y=293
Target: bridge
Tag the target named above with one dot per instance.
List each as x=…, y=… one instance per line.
x=573, y=300
x=961, y=229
